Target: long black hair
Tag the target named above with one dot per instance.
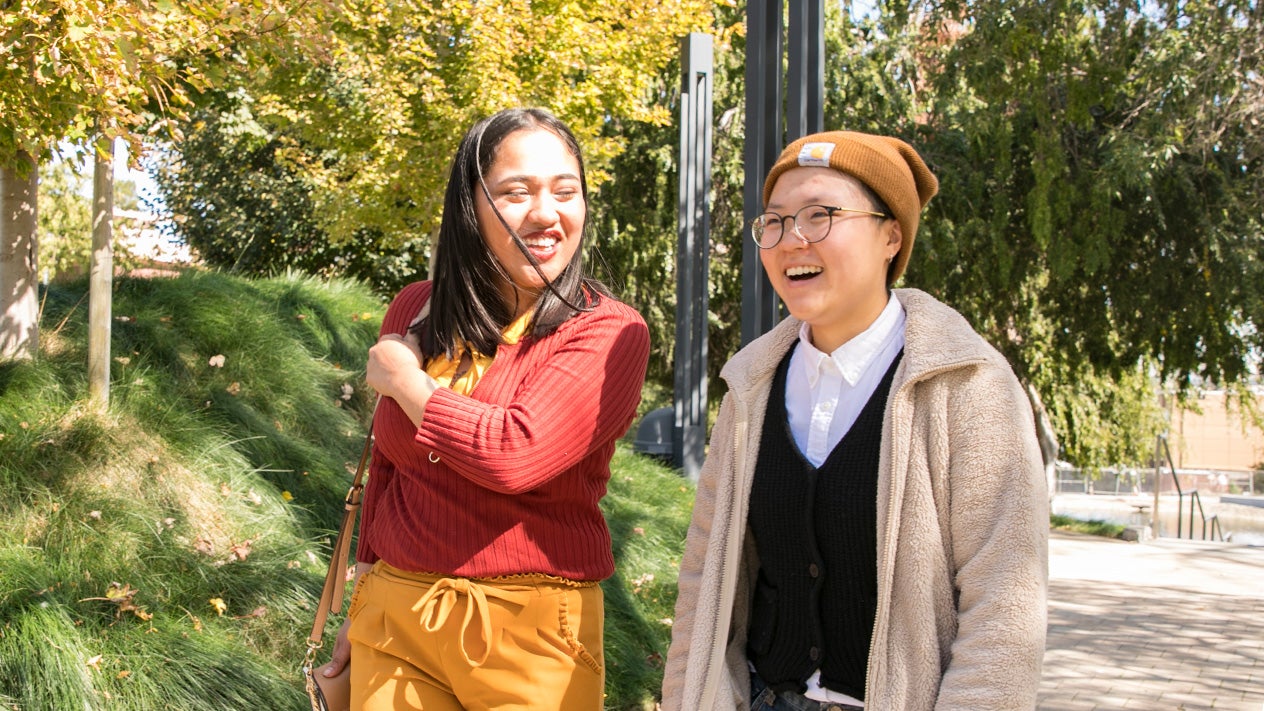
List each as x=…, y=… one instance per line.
x=466, y=305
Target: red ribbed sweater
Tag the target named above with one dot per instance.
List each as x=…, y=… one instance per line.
x=521, y=463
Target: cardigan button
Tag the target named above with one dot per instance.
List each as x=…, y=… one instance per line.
x=815, y=653
x=814, y=571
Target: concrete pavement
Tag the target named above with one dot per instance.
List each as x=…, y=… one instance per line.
x=1164, y=625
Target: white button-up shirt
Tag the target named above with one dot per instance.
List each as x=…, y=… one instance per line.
x=825, y=392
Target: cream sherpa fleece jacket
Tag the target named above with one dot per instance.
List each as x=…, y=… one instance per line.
x=963, y=526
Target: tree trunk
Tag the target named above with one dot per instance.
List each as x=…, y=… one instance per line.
x=19, y=302
x=1048, y=439
x=101, y=275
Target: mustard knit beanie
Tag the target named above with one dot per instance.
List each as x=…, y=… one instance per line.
x=888, y=166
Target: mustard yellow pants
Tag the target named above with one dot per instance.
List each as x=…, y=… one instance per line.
x=521, y=643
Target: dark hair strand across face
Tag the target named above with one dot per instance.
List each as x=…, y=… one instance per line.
x=466, y=305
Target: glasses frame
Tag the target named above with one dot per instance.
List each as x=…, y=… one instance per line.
x=781, y=220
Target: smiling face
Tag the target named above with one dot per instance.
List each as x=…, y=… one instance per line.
x=534, y=181
x=838, y=285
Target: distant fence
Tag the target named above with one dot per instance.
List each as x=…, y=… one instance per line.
x=1128, y=481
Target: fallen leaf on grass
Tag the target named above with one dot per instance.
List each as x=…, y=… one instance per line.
x=641, y=581
x=240, y=551
x=121, y=595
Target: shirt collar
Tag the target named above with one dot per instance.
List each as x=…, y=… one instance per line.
x=514, y=332
x=851, y=359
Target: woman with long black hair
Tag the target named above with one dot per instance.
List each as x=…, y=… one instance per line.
x=504, y=385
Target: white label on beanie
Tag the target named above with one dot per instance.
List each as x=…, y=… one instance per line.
x=816, y=154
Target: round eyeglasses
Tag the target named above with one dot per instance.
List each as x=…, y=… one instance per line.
x=811, y=224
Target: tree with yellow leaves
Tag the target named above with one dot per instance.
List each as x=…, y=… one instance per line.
x=73, y=71
x=367, y=138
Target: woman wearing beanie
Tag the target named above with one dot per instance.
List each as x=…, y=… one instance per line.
x=870, y=528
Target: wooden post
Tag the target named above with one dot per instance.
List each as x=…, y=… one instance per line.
x=1158, y=483
x=101, y=275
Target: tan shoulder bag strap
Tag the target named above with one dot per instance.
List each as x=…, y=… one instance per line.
x=335, y=579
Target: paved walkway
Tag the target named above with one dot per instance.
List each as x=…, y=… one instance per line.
x=1162, y=625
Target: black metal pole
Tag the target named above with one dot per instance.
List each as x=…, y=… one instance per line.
x=805, y=81
x=763, y=143
x=689, y=431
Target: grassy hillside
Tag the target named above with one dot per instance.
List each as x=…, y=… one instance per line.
x=167, y=554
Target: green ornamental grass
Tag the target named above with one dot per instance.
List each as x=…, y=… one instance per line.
x=168, y=553
x=1092, y=527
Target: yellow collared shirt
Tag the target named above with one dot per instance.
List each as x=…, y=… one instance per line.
x=443, y=369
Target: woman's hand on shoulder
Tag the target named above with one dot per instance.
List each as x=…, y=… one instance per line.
x=395, y=371
x=393, y=360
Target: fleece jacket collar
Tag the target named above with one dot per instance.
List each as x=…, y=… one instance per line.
x=937, y=337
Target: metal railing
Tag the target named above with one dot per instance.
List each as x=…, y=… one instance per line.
x=1194, y=501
